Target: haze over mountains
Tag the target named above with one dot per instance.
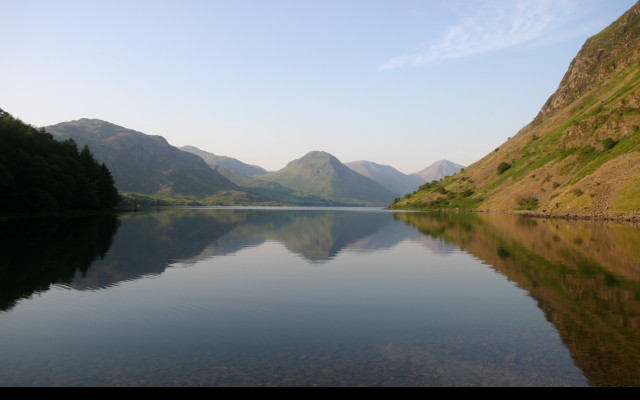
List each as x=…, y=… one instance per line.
x=321, y=174
x=148, y=165
x=580, y=156
x=225, y=163
x=400, y=183
x=439, y=170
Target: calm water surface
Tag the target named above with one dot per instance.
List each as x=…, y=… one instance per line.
x=318, y=297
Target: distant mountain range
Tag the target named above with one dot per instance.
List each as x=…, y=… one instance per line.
x=293, y=184
x=323, y=175
x=389, y=177
x=438, y=170
x=223, y=163
x=400, y=183
x=148, y=165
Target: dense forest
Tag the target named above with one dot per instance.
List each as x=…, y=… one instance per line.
x=40, y=174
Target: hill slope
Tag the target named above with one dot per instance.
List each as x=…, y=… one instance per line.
x=225, y=163
x=248, y=178
x=387, y=176
x=322, y=175
x=580, y=156
x=147, y=164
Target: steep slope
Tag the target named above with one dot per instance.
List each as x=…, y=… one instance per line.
x=322, y=175
x=580, y=156
x=225, y=163
x=147, y=164
x=387, y=176
x=438, y=170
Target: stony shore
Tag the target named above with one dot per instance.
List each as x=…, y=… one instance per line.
x=600, y=216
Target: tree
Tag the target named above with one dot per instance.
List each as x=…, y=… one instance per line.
x=504, y=166
x=39, y=174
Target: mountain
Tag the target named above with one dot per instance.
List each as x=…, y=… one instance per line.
x=387, y=176
x=322, y=175
x=248, y=178
x=438, y=170
x=223, y=163
x=580, y=156
x=567, y=272
x=149, y=165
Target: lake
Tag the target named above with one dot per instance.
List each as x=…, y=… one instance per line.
x=318, y=297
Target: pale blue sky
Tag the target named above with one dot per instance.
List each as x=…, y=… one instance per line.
x=399, y=82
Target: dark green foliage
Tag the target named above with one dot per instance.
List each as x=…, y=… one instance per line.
x=467, y=193
x=503, y=252
x=529, y=203
x=427, y=185
x=587, y=154
x=503, y=167
x=609, y=143
x=39, y=174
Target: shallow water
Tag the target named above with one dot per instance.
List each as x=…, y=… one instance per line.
x=318, y=297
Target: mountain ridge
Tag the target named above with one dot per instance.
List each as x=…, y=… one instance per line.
x=149, y=165
x=580, y=156
x=226, y=163
x=321, y=174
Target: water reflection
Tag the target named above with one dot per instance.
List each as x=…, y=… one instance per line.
x=431, y=316
x=585, y=276
x=38, y=253
x=148, y=243
x=74, y=251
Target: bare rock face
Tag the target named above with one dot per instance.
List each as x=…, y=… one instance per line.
x=612, y=49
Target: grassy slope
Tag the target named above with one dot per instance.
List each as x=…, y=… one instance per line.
x=321, y=175
x=580, y=156
x=149, y=171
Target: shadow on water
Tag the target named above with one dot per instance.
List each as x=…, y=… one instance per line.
x=38, y=253
x=585, y=277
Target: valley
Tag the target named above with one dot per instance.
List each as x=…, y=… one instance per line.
x=149, y=171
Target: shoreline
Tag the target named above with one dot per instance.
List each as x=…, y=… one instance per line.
x=632, y=218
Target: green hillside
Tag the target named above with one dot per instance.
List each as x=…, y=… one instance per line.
x=580, y=156
x=148, y=165
x=248, y=176
x=321, y=175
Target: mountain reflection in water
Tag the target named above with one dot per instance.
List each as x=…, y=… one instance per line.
x=584, y=276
